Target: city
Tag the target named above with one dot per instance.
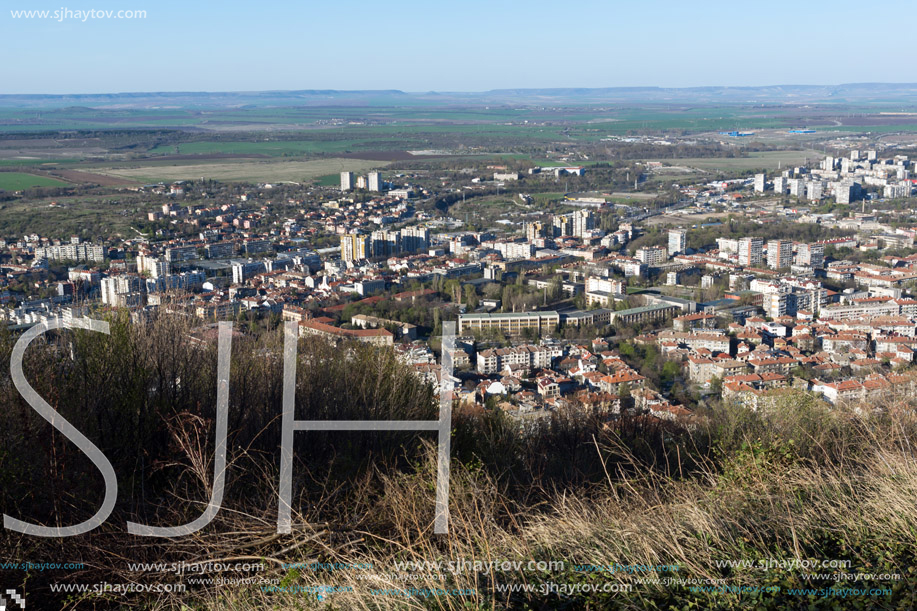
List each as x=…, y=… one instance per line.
x=458, y=306
x=543, y=305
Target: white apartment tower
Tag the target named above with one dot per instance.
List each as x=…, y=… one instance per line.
x=810, y=255
x=375, y=181
x=779, y=254
x=780, y=185
x=346, y=181
x=751, y=251
x=583, y=221
x=651, y=255
x=677, y=241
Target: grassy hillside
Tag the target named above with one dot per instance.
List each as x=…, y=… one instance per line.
x=795, y=506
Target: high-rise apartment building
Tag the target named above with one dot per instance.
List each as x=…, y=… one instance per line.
x=651, y=255
x=346, y=181
x=375, y=181
x=751, y=251
x=415, y=239
x=810, y=255
x=583, y=221
x=355, y=247
x=678, y=241
x=779, y=254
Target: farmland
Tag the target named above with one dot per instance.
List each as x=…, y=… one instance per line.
x=16, y=181
x=242, y=170
x=274, y=148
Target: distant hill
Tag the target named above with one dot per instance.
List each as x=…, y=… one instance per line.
x=852, y=93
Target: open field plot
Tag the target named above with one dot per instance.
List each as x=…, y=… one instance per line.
x=89, y=218
x=274, y=148
x=248, y=171
x=16, y=181
x=32, y=163
x=89, y=178
x=687, y=220
x=763, y=160
x=380, y=110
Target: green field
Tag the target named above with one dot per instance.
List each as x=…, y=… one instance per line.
x=328, y=180
x=17, y=181
x=273, y=148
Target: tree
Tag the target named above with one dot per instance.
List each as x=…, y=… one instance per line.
x=716, y=385
x=471, y=297
x=670, y=371
x=580, y=301
x=554, y=288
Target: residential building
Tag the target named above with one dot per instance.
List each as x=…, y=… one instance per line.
x=346, y=181
x=779, y=254
x=651, y=255
x=751, y=251
x=355, y=247
x=415, y=239
x=810, y=255
x=678, y=241
x=374, y=181
x=510, y=323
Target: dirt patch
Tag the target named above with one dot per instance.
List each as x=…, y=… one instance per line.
x=379, y=155
x=205, y=157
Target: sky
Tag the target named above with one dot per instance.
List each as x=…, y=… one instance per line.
x=431, y=45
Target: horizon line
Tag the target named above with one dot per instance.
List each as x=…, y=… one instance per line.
x=455, y=92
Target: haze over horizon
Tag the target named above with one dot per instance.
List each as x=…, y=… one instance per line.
x=456, y=91
x=416, y=47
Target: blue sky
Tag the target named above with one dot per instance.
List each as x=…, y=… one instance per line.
x=465, y=46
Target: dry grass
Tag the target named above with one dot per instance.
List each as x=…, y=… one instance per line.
x=762, y=503
x=253, y=171
x=798, y=481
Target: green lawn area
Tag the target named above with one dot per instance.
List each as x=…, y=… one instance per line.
x=328, y=180
x=17, y=181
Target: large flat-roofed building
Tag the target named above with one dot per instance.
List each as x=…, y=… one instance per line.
x=71, y=252
x=510, y=323
x=181, y=253
x=379, y=337
x=219, y=250
x=650, y=313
